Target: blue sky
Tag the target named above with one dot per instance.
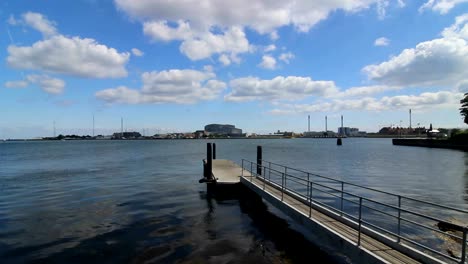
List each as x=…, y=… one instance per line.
x=260, y=65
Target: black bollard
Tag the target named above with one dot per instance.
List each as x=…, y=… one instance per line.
x=339, y=142
x=209, y=162
x=259, y=160
x=214, y=151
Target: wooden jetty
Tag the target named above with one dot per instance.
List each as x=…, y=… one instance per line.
x=352, y=235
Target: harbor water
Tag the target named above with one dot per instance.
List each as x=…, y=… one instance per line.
x=140, y=201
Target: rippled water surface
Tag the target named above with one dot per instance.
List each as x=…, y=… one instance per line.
x=137, y=201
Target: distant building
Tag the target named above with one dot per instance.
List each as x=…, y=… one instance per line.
x=349, y=131
x=225, y=130
x=126, y=135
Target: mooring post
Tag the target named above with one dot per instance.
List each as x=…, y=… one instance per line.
x=339, y=142
x=209, y=162
x=214, y=151
x=259, y=160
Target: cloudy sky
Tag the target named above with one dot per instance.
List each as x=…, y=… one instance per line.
x=261, y=65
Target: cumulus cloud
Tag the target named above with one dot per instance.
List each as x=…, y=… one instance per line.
x=47, y=84
x=160, y=30
x=72, y=56
x=268, y=62
x=16, y=84
x=286, y=57
x=438, y=62
x=40, y=23
x=224, y=59
x=172, y=86
x=137, y=52
x=269, y=48
x=441, y=6
x=206, y=44
x=262, y=16
x=365, y=91
x=278, y=88
x=381, y=41
x=421, y=101
x=210, y=33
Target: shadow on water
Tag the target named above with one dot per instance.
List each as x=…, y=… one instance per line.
x=208, y=237
x=278, y=241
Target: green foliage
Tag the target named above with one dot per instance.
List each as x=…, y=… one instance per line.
x=464, y=108
x=459, y=136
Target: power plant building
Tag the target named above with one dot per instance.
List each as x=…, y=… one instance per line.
x=227, y=130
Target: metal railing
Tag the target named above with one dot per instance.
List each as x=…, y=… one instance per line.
x=405, y=221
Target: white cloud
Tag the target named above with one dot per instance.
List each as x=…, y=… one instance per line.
x=232, y=40
x=274, y=35
x=16, y=84
x=459, y=29
x=381, y=8
x=172, y=86
x=47, y=84
x=137, y=52
x=438, y=62
x=262, y=16
x=40, y=23
x=214, y=27
x=286, y=57
x=160, y=30
x=365, y=90
x=268, y=62
x=441, y=99
x=441, y=6
x=381, y=41
x=278, y=88
x=224, y=59
x=269, y=48
x=72, y=56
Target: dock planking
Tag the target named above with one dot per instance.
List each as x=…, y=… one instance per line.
x=227, y=172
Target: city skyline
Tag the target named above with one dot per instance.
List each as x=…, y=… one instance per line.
x=172, y=67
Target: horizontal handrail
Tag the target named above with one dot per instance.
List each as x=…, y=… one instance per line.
x=307, y=182
x=371, y=189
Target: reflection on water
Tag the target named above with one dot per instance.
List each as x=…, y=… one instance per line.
x=140, y=201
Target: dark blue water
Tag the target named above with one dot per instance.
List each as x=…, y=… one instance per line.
x=139, y=201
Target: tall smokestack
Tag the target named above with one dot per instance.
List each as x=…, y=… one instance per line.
x=326, y=124
x=410, y=118
x=121, y=126
x=342, y=131
x=308, y=128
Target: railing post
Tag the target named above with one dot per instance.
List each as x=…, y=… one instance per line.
x=360, y=221
x=285, y=176
x=399, y=219
x=259, y=160
x=269, y=171
x=214, y=151
x=264, y=180
x=342, y=190
x=209, y=162
x=310, y=200
x=242, y=169
x=463, y=253
x=282, y=186
x=251, y=171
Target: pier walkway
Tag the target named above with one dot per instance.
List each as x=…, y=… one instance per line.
x=365, y=224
